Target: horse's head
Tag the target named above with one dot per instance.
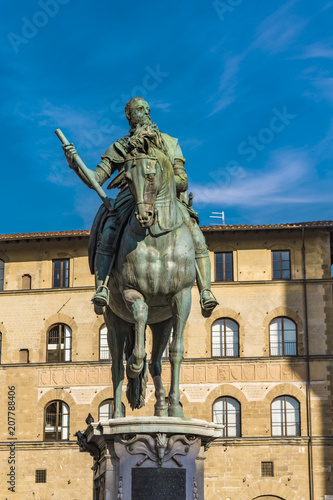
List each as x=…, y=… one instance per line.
x=142, y=174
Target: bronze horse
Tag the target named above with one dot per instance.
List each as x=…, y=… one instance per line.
x=150, y=284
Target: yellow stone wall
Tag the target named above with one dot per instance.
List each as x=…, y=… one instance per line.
x=253, y=299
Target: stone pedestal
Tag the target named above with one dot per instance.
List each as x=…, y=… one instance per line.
x=149, y=458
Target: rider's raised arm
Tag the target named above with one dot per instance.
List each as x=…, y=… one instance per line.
x=110, y=161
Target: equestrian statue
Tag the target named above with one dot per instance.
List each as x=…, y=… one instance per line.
x=146, y=250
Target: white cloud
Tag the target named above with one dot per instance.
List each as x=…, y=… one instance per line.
x=226, y=94
x=317, y=50
x=278, y=31
x=164, y=106
x=323, y=149
x=86, y=206
x=191, y=143
x=327, y=6
x=325, y=86
x=285, y=181
x=61, y=175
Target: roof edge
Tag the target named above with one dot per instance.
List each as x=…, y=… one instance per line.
x=232, y=227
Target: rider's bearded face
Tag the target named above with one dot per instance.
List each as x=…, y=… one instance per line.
x=139, y=114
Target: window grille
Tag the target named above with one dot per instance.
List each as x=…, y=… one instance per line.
x=267, y=469
x=40, y=476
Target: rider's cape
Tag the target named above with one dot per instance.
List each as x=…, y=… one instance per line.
x=95, y=232
x=122, y=207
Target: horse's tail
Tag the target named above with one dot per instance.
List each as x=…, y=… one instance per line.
x=136, y=387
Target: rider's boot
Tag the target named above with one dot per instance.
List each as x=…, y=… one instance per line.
x=101, y=297
x=208, y=301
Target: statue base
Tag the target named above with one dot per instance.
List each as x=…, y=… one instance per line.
x=148, y=458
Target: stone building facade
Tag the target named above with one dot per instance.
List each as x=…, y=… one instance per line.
x=261, y=364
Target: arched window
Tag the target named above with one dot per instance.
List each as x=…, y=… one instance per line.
x=225, y=338
x=26, y=282
x=56, y=421
x=268, y=497
x=106, y=409
x=104, y=351
x=282, y=337
x=2, y=274
x=226, y=411
x=59, y=344
x=285, y=417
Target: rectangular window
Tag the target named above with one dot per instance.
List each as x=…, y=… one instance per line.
x=281, y=264
x=61, y=273
x=267, y=469
x=40, y=476
x=223, y=266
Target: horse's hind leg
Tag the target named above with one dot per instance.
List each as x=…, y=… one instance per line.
x=161, y=334
x=181, y=306
x=117, y=331
x=136, y=304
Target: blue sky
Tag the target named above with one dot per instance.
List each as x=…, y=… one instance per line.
x=246, y=86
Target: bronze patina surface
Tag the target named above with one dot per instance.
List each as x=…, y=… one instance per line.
x=145, y=249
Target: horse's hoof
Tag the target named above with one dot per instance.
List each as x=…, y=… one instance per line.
x=161, y=411
x=175, y=411
x=133, y=370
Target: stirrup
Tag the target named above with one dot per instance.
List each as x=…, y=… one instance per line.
x=101, y=297
x=209, y=304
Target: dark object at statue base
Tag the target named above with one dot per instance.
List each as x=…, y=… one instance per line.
x=148, y=458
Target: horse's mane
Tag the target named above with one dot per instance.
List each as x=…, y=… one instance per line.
x=148, y=145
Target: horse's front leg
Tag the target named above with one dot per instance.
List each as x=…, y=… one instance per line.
x=161, y=334
x=181, y=306
x=137, y=306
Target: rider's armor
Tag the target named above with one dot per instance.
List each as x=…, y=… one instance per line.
x=108, y=225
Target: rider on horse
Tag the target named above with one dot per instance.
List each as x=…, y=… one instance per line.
x=108, y=226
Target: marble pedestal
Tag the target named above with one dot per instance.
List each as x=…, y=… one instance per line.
x=149, y=458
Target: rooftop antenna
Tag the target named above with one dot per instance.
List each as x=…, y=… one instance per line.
x=218, y=215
